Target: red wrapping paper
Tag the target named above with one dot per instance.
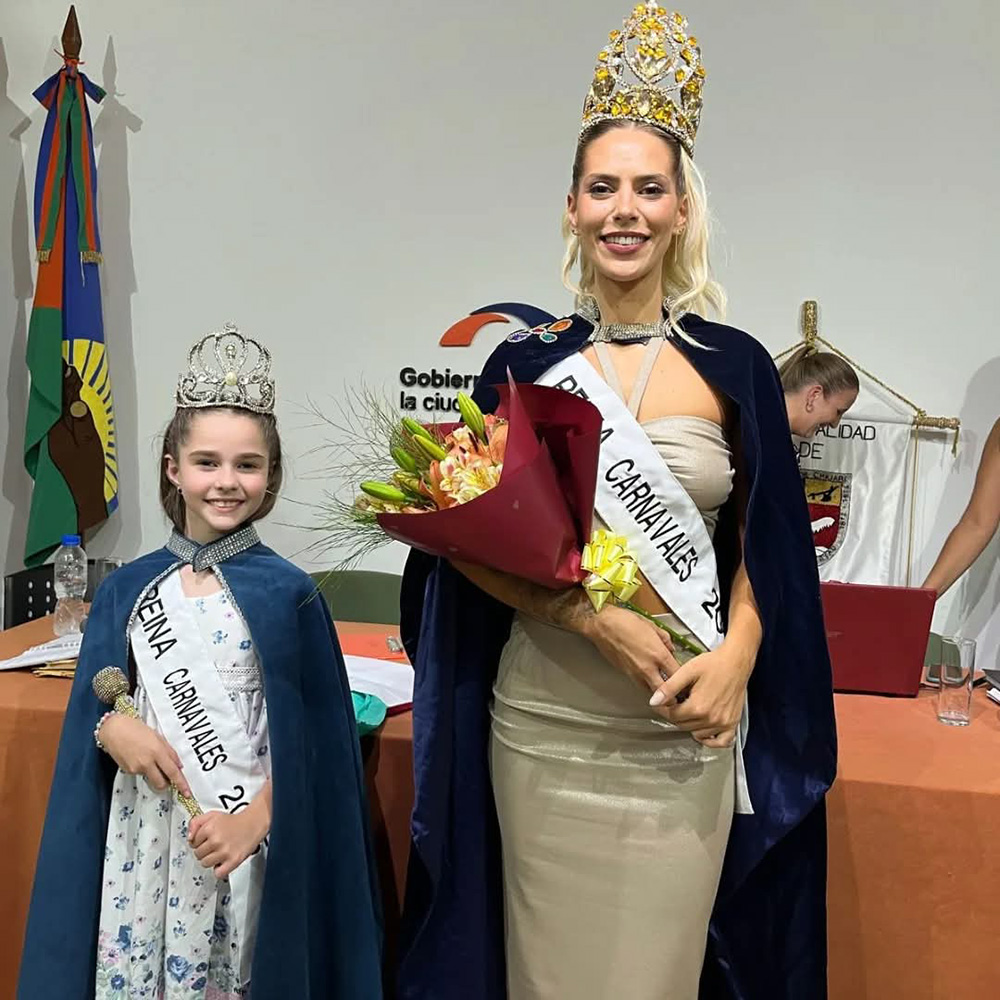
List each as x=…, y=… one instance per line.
x=535, y=522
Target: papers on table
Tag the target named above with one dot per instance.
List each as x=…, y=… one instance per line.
x=66, y=647
x=392, y=682
x=386, y=679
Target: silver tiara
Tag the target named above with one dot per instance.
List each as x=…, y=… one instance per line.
x=228, y=369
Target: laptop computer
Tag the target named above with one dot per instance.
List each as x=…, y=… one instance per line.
x=877, y=636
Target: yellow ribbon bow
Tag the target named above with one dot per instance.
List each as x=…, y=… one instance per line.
x=613, y=570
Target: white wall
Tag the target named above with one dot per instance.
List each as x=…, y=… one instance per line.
x=346, y=180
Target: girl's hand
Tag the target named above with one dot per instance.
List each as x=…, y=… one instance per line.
x=137, y=749
x=715, y=685
x=223, y=842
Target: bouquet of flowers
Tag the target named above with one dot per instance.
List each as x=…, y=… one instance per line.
x=512, y=491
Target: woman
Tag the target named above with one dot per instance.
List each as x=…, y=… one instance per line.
x=617, y=762
x=978, y=524
x=820, y=387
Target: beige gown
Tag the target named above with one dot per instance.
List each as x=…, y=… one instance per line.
x=613, y=824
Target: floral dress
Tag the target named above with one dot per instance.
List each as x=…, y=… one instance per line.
x=169, y=928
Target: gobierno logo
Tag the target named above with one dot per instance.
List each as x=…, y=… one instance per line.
x=461, y=334
x=434, y=390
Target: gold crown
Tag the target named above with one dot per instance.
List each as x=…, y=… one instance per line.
x=228, y=369
x=650, y=72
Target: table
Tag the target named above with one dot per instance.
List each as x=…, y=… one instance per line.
x=914, y=869
x=31, y=713
x=914, y=820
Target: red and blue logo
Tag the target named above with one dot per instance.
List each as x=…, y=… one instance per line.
x=461, y=334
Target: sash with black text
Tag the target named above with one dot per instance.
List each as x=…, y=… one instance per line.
x=195, y=715
x=639, y=499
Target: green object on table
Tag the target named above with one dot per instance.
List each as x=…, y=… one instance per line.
x=369, y=712
x=360, y=595
x=934, y=652
x=941, y=653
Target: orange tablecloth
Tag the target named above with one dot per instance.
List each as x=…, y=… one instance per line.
x=914, y=888
x=914, y=872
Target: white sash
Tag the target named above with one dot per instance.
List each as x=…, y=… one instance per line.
x=194, y=713
x=639, y=498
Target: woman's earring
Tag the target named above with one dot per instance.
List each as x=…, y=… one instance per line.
x=180, y=492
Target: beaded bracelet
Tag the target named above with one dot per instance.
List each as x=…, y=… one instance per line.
x=97, y=730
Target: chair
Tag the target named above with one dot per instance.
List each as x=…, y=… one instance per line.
x=30, y=593
x=360, y=595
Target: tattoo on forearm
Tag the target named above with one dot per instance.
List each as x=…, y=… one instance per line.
x=566, y=609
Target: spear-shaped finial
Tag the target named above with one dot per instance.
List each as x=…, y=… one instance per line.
x=810, y=322
x=71, y=40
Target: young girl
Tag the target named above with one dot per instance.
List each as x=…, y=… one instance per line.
x=171, y=865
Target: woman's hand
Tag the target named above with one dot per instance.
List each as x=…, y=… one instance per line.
x=223, y=842
x=705, y=696
x=634, y=645
x=137, y=749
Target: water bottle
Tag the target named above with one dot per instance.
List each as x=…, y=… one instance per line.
x=71, y=585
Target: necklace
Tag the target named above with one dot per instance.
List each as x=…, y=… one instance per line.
x=619, y=333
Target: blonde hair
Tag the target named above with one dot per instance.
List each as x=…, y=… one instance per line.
x=687, y=282
x=829, y=371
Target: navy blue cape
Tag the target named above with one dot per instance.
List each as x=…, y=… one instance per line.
x=767, y=937
x=319, y=932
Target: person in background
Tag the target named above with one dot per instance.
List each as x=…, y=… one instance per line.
x=977, y=525
x=820, y=387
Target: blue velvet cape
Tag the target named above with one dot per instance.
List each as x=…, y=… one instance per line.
x=767, y=937
x=319, y=930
